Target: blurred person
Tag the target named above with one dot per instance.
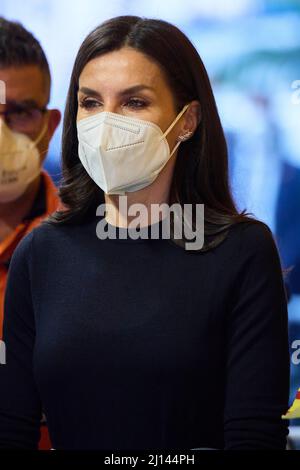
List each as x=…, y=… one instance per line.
x=139, y=343
x=27, y=192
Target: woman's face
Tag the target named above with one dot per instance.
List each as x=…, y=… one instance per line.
x=128, y=83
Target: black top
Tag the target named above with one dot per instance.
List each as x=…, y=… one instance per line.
x=139, y=344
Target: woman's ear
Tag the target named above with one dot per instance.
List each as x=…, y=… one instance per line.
x=192, y=119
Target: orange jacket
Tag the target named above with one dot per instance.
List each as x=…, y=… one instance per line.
x=8, y=245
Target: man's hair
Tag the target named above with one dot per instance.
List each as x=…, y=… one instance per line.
x=18, y=47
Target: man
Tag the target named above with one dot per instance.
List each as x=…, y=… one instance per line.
x=27, y=193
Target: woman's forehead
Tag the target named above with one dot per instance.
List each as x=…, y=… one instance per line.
x=122, y=68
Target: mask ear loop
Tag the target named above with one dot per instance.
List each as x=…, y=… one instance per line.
x=173, y=124
x=41, y=134
x=39, y=137
x=33, y=144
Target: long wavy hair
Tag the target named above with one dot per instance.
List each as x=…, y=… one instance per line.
x=201, y=168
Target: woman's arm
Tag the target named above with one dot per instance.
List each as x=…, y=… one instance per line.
x=20, y=407
x=258, y=364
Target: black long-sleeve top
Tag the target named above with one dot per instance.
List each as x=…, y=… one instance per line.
x=140, y=344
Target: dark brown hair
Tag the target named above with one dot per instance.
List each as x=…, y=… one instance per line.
x=201, y=169
x=18, y=47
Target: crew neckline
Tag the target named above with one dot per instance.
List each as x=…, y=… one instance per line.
x=125, y=234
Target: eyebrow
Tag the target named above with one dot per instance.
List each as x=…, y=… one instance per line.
x=127, y=91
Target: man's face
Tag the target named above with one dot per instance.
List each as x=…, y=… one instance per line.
x=26, y=98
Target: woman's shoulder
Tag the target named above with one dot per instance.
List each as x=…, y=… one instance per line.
x=45, y=230
x=44, y=239
x=252, y=232
x=48, y=231
x=253, y=238
x=40, y=234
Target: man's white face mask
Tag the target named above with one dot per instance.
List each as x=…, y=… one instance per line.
x=123, y=154
x=19, y=162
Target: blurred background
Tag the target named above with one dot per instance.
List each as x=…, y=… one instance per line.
x=251, y=49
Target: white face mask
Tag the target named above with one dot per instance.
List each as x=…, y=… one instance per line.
x=19, y=162
x=123, y=154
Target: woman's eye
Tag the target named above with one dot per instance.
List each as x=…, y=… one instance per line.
x=136, y=103
x=89, y=104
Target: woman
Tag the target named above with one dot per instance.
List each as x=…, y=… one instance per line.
x=136, y=343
